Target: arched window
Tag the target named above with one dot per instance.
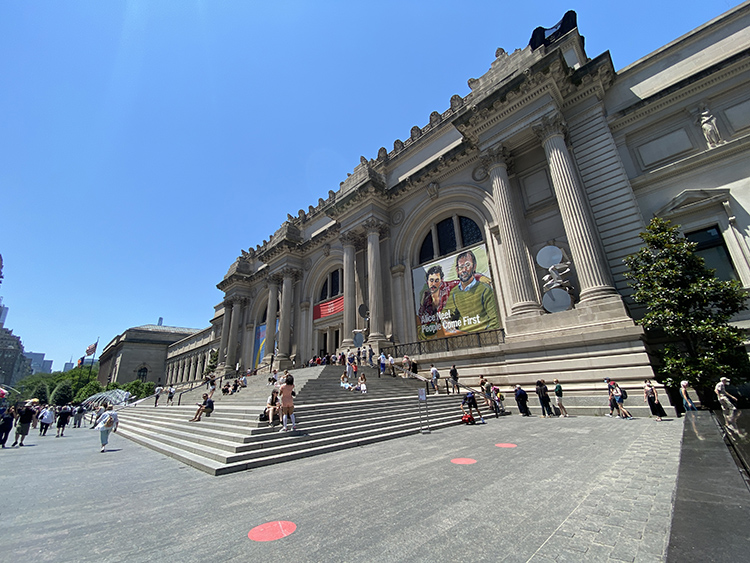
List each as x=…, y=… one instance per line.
x=451, y=233
x=143, y=374
x=331, y=286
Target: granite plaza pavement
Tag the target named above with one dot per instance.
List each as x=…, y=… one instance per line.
x=577, y=489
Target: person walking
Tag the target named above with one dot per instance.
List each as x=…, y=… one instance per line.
x=286, y=393
x=382, y=361
x=24, y=417
x=651, y=397
x=725, y=398
x=170, y=395
x=619, y=396
x=107, y=424
x=522, y=400
x=435, y=379
x=454, y=378
x=157, y=394
x=370, y=354
x=7, y=416
x=559, y=398
x=46, y=418
x=543, y=394
x=62, y=420
x=78, y=413
x=687, y=402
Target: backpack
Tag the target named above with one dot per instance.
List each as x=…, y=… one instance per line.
x=110, y=422
x=468, y=419
x=624, y=394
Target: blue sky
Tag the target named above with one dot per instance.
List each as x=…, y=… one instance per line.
x=143, y=144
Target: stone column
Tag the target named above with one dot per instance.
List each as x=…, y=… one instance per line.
x=374, y=278
x=199, y=366
x=305, y=349
x=397, y=283
x=523, y=296
x=588, y=259
x=273, y=295
x=225, y=331
x=350, y=290
x=191, y=368
x=285, y=318
x=234, y=326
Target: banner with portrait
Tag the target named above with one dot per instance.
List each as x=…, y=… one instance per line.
x=454, y=295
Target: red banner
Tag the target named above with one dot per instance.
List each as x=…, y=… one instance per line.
x=328, y=308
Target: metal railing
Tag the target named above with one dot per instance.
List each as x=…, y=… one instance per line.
x=447, y=344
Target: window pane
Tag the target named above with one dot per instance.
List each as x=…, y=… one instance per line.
x=470, y=231
x=446, y=236
x=712, y=249
x=324, y=291
x=334, y=283
x=426, y=253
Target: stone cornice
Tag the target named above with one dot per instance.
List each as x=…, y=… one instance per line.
x=656, y=103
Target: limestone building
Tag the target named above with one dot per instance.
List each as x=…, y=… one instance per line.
x=493, y=236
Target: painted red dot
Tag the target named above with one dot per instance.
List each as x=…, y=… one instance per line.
x=506, y=445
x=271, y=531
x=463, y=461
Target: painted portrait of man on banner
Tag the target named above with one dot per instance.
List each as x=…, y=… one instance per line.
x=456, y=295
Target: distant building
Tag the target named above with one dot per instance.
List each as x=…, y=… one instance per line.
x=13, y=364
x=139, y=353
x=3, y=313
x=38, y=363
x=68, y=366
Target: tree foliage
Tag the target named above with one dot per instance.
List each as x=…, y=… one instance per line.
x=63, y=393
x=213, y=361
x=91, y=388
x=41, y=392
x=684, y=299
x=79, y=378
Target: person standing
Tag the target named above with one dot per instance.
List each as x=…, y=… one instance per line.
x=78, y=414
x=46, y=418
x=522, y=400
x=23, y=423
x=543, y=394
x=157, y=394
x=559, y=398
x=286, y=394
x=687, y=402
x=651, y=397
x=370, y=354
x=454, y=378
x=435, y=378
x=392, y=365
x=382, y=360
x=107, y=424
x=7, y=416
x=619, y=396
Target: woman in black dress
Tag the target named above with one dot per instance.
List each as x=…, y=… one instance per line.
x=651, y=397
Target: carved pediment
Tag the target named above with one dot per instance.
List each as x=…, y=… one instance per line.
x=693, y=200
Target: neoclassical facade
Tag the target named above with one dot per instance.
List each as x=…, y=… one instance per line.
x=493, y=237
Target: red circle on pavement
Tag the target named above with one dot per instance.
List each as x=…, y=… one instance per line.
x=506, y=445
x=463, y=461
x=271, y=531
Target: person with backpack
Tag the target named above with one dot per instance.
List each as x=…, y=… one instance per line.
x=435, y=378
x=470, y=402
x=454, y=379
x=619, y=395
x=107, y=424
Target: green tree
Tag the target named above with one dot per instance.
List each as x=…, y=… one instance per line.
x=686, y=301
x=63, y=393
x=113, y=385
x=41, y=392
x=213, y=361
x=91, y=388
x=135, y=388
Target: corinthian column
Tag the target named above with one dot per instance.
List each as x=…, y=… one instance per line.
x=225, y=331
x=350, y=291
x=375, y=285
x=273, y=294
x=593, y=274
x=234, y=326
x=523, y=296
x=285, y=319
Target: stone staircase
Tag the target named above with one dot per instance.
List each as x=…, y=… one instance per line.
x=329, y=418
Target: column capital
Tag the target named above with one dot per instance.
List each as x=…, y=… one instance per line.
x=349, y=238
x=549, y=126
x=290, y=272
x=373, y=225
x=498, y=155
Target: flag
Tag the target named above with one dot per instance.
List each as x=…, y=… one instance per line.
x=80, y=361
x=91, y=350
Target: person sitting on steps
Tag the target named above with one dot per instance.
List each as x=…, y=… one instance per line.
x=206, y=407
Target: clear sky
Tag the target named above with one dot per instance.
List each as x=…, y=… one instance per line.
x=144, y=143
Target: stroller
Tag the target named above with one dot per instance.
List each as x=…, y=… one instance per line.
x=496, y=401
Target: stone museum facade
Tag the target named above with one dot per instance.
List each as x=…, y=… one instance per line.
x=493, y=236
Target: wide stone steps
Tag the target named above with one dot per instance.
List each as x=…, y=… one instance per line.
x=233, y=440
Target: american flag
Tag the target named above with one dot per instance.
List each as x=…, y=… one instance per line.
x=91, y=349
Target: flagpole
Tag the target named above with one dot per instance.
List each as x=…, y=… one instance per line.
x=93, y=356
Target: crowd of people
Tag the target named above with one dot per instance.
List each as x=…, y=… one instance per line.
x=23, y=418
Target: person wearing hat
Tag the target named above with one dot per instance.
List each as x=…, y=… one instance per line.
x=522, y=400
x=612, y=401
x=23, y=423
x=725, y=398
